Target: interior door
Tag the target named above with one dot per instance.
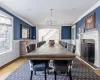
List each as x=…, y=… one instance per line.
x=73, y=34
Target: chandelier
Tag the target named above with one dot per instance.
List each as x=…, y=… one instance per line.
x=50, y=21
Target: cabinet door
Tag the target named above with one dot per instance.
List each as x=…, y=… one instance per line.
x=22, y=47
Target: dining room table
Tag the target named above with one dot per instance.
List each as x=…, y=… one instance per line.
x=51, y=52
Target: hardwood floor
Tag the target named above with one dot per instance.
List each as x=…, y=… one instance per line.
x=97, y=71
x=11, y=67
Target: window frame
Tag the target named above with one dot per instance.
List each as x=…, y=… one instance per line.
x=11, y=33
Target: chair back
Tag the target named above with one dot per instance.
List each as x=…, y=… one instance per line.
x=30, y=48
x=64, y=44
x=71, y=48
x=40, y=43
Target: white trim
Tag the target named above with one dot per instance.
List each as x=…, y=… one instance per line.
x=12, y=30
x=95, y=36
x=44, y=25
x=73, y=35
x=66, y=40
x=2, y=12
x=87, y=12
x=12, y=12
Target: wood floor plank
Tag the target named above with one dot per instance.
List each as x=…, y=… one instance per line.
x=9, y=68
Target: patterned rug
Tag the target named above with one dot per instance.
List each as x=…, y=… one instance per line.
x=79, y=72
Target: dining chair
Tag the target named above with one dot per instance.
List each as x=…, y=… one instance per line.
x=40, y=43
x=62, y=66
x=36, y=65
x=71, y=48
x=64, y=44
x=37, y=45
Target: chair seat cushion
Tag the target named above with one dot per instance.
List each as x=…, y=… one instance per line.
x=61, y=65
x=39, y=67
x=61, y=68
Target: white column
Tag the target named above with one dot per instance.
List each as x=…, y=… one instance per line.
x=78, y=45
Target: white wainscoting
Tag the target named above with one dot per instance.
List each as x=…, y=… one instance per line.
x=78, y=47
x=9, y=56
x=66, y=40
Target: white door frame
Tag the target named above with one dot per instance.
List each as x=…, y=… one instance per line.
x=73, y=34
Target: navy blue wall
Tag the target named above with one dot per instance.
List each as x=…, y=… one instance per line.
x=66, y=32
x=81, y=23
x=17, y=26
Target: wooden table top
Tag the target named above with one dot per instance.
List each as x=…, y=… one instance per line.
x=46, y=52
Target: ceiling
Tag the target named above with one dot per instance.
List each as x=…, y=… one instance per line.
x=65, y=12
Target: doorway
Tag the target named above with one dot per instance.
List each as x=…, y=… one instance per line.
x=47, y=34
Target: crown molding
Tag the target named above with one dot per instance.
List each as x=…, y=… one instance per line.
x=15, y=14
x=88, y=11
x=53, y=26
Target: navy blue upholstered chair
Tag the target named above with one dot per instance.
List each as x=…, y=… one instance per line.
x=36, y=65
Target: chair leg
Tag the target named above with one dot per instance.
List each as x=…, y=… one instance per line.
x=67, y=74
x=47, y=71
x=55, y=74
x=34, y=72
x=70, y=75
x=31, y=75
x=45, y=74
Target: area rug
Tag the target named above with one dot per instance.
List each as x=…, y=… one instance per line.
x=79, y=72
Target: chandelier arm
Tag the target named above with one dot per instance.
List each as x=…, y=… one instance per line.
x=51, y=12
x=50, y=21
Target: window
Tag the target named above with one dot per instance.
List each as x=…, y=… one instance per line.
x=5, y=33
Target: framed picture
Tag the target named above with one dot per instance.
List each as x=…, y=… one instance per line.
x=25, y=32
x=90, y=22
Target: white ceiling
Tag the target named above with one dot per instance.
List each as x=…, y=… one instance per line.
x=35, y=11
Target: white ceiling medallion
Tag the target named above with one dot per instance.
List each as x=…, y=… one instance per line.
x=50, y=21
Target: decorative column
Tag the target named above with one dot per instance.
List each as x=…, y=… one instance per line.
x=78, y=47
